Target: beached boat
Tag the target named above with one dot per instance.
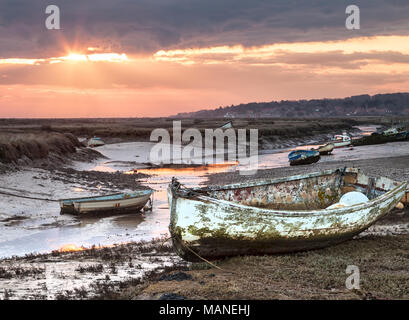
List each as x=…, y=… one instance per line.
x=276, y=215
x=325, y=149
x=299, y=157
x=118, y=202
x=227, y=125
x=377, y=138
x=393, y=131
x=95, y=142
x=341, y=140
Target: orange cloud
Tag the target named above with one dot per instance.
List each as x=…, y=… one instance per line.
x=71, y=57
x=98, y=84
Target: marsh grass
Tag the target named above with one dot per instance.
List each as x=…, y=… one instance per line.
x=14, y=146
x=320, y=274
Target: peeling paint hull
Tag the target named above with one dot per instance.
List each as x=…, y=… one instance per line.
x=275, y=216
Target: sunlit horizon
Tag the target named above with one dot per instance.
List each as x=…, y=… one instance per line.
x=160, y=63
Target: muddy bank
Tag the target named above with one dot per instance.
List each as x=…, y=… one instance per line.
x=95, y=273
x=383, y=262
x=273, y=133
x=381, y=253
x=97, y=179
x=45, y=150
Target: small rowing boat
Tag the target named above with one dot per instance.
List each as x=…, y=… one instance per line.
x=325, y=149
x=299, y=157
x=118, y=202
x=287, y=214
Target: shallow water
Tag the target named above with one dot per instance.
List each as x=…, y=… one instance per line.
x=44, y=229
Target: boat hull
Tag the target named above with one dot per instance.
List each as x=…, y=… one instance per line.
x=341, y=144
x=326, y=150
x=92, y=143
x=304, y=161
x=212, y=228
x=300, y=157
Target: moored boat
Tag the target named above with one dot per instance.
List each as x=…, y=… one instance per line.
x=325, y=149
x=299, y=157
x=118, y=202
x=95, y=142
x=227, y=125
x=276, y=215
x=341, y=140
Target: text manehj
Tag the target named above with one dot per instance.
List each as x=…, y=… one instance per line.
x=212, y=309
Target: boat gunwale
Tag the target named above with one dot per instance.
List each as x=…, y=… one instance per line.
x=257, y=183
x=401, y=187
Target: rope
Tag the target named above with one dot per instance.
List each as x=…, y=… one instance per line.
x=207, y=261
x=26, y=197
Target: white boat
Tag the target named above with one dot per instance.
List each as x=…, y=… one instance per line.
x=227, y=125
x=277, y=215
x=325, y=149
x=118, y=202
x=341, y=140
x=95, y=142
x=393, y=131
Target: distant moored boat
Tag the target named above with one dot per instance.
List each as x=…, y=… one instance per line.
x=95, y=142
x=299, y=157
x=341, y=140
x=325, y=149
x=227, y=125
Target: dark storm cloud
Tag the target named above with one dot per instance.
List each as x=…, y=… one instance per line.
x=144, y=26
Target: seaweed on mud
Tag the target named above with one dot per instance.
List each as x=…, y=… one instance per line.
x=178, y=276
x=5, y=274
x=98, y=268
x=105, y=289
x=11, y=272
x=8, y=293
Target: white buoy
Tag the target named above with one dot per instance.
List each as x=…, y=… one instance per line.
x=350, y=199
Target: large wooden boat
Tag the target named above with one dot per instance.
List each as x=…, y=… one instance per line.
x=276, y=215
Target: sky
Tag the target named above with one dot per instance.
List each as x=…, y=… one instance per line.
x=152, y=58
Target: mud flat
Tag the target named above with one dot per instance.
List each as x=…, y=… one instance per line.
x=381, y=253
x=78, y=273
x=128, y=271
x=273, y=133
x=37, y=226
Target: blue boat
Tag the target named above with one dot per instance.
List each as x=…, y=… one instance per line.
x=299, y=157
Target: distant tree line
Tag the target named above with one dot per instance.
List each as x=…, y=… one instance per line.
x=362, y=105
